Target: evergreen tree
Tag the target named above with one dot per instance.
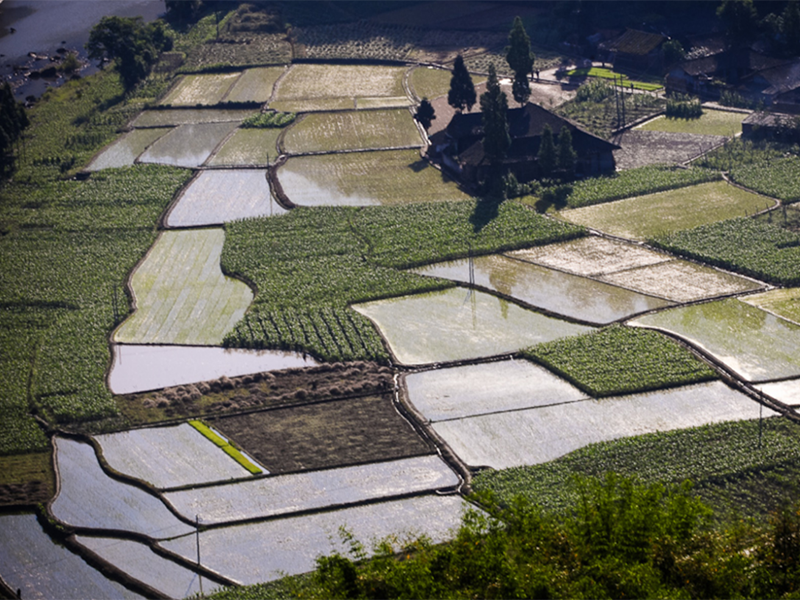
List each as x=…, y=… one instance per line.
x=425, y=114
x=494, y=106
x=739, y=17
x=13, y=119
x=567, y=157
x=547, y=153
x=462, y=91
x=790, y=27
x=520, y=59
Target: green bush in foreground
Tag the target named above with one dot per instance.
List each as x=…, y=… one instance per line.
x=621, y=360
x=635, y=182
x=268, y=120
x=624, y=539
x=751, y=247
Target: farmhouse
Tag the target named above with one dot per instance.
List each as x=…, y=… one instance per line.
x=462, y=147
x=636, y=50
x=773, y=126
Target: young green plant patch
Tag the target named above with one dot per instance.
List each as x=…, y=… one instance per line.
x=621, y=360
x=226, y=446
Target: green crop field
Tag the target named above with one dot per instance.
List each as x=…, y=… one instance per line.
x=621, y=360
x=181, y=295
x=662, y=213
x=785, y=302
x=206, y=90
x=712, y=122
x=248, y=147
x=619, y=78
x=747, y=246
x=364, y=178
x=328, y=132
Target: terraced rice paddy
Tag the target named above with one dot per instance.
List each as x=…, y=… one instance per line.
x=647, y=217
x=125, y=150
x=470, y=390
x=754, y=343
x=271, y=549
x=555, y=291
x=428, y=82
x=331, y=87
x=457, y=325
x=285, y=494
x=143, y=368
x=248, y=147
x=138, y=561
x=255, y=85
x=787, y=392
x=365, y=178
x=188, y=145
x=538, y=435
x=182, y=297
x=215, y=197
x=325, y=435
x=783, y=302
x=355, y=130
x=40, y=568
x=89, y=498
x=681, y=281
x=196, y=90
x=712, y=122
x=189, y=116
x=168, y=457
x=396, y=102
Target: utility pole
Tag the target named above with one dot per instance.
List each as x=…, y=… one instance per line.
x=197, y=538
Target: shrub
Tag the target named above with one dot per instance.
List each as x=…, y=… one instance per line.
x=684, y=107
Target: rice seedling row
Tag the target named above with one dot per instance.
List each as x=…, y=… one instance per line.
x=458, y=324
x=540, y=435
x=328, y=132
x=181, y=294
x=36, y=565
x=470, y=390
x=714, y=456
x=755, y=248
x=621, y=360
x=225, y=446
x=557, y=292
x=309, y=82
x=188, y=116
x=755, y=344
x=300, y=540
x=197, y=90
x=635, y=182
x=286, y=494
x=168, y=456
x=247, y=147
x=255, y=85
x=659, y=214
x=141, y=563
x=784, y=303
x=89, y=498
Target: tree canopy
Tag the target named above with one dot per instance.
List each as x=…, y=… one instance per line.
x=133, y=44
x=462, y=91
x=494, y=106
x=547, y=153
x=520, y=59
x=739, y=18
x=13, y=119
x=425, y=113
x=567, y=156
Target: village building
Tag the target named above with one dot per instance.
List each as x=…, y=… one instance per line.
x=772, y=126
x=461, y=146
x=635, y=50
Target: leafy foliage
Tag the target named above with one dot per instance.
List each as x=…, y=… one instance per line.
x=683, y=107
x=621, y=360
x=269, y=120
x=635, y=182
x=311, y=264
x=747, y=246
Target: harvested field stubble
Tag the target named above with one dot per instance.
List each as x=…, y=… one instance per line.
x=240, y=50
x=195, y=90
x=331, y=434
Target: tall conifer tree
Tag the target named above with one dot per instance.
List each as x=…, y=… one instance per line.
x=547, y=153
x=520, y=59
x=494, y=106
x=462, y=91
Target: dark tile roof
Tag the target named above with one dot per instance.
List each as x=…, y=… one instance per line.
x=711, y=65
x=783, y=78
x=636, y=42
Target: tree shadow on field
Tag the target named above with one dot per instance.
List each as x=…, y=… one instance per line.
x=485, y=212
x=419, y=165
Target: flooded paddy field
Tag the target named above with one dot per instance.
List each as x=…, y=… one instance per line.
x=470, y=390
x=457, y=324
x=355, y=130
x=89, y=498
x=189, y=116
x=215, y=197
x=182, y=297
x=125, y=151
x=646, y=217
x=254, y=85
x=286, y=494
x=247, y=147
x=168, y=457
x=324, y=435
x=787, y=391
x=755, y=344
x=140, y=562
x=783, y=302
x=206, y=89
x=188, y=145
x=533, y=436
x=365, y=178
x=141, y=368
x=273, y=549
x=32, y=562
x=555, y=291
